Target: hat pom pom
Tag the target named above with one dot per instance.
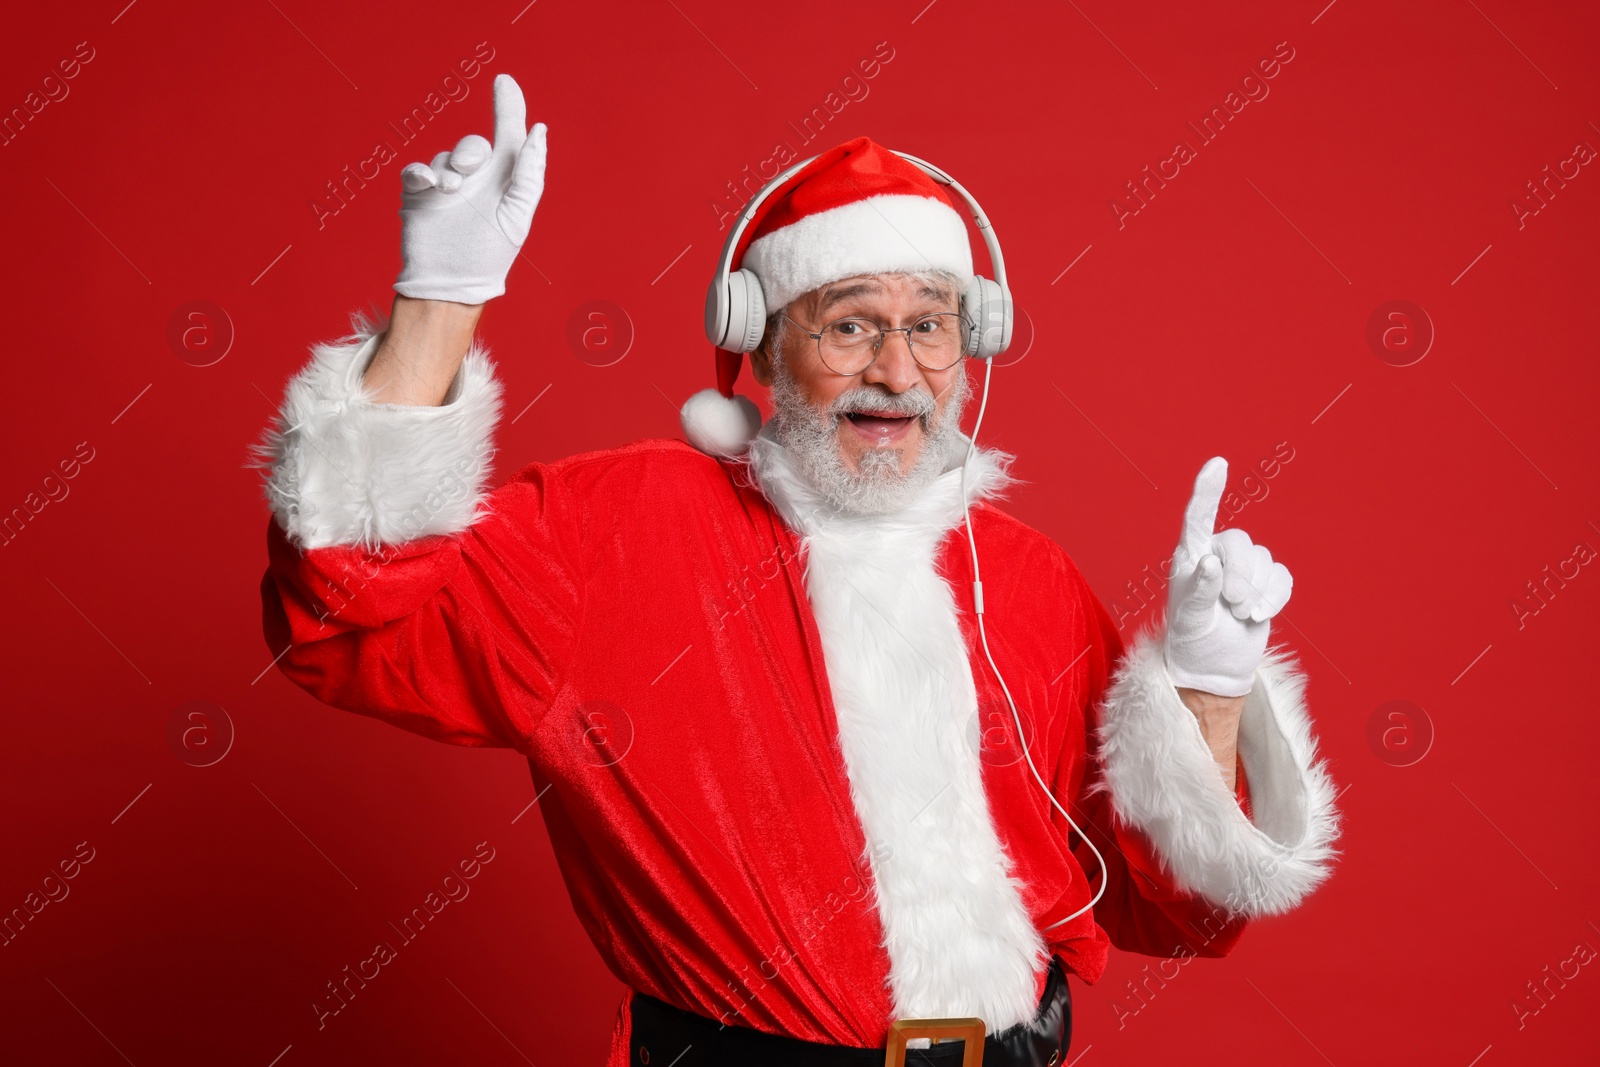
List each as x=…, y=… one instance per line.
x=720, y=425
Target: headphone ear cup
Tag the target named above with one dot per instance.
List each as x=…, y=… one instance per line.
x=747, y=312
x=717, y=312
x=987, y=314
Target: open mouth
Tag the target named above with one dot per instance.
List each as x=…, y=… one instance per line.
x=880, y=426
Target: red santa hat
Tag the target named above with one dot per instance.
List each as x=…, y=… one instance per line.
x=855, y=209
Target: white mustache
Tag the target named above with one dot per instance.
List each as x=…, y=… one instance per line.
x=916, y=404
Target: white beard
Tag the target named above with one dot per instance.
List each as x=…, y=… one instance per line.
x=879, y=487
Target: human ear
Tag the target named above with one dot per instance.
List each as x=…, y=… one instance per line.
x=761, y=364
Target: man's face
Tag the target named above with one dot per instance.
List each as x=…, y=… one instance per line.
x=880, y=421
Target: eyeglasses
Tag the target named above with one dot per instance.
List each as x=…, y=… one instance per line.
x=851, y=345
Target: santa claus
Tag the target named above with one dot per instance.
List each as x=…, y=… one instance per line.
x=819, y=787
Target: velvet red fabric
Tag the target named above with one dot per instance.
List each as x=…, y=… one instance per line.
x=635, y=622
x=844, y=174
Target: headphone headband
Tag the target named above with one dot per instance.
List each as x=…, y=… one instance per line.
x=736, y=310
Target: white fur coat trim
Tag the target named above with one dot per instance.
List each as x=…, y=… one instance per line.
x=342, y=470
x=1164, y=780
x=959, y=941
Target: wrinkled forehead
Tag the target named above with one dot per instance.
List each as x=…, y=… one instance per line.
x=927, y=288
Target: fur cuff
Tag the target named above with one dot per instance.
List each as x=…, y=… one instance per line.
x=342, y=470
x=1164, y=781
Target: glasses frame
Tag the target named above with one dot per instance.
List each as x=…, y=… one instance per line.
x=877, y=348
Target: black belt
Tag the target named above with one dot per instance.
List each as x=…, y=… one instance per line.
x=665, y=1036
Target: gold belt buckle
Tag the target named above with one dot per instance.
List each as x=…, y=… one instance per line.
x=972, y=1030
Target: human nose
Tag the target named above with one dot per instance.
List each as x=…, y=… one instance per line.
x=895, y=368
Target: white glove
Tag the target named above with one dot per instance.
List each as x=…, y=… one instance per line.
x=1223, y=593
x=463, y=218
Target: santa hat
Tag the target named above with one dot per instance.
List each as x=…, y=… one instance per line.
x=855, y=209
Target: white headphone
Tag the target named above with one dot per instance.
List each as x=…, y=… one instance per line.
x=736, y=317
x=736, y=308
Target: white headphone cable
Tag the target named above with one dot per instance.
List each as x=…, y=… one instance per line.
x=983, y=637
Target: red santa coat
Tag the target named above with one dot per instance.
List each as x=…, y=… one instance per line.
x=638, y=624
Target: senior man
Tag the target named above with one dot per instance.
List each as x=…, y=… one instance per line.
x=776, y=767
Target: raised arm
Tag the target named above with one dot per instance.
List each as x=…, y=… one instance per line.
x=1194, y=853
x=389, y=557
x=463, y=219
x=421, y=351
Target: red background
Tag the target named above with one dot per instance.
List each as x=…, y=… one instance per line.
x=1224, y=318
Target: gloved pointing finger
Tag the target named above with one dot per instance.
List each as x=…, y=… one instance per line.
x=510, y=116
